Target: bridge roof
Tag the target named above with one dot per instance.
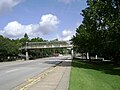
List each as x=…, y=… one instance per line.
x=49, y=42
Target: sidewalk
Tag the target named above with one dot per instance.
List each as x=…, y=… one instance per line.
x=57, y=79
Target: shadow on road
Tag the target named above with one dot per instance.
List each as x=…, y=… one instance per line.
x=61, y=62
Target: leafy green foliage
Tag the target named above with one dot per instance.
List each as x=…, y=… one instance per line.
x=7, y=48
x=10, y=48
x=100, y=30
x=37, y=40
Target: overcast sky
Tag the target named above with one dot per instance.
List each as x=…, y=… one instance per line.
x=47, y=19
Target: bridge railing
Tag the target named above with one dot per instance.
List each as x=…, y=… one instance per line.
x=33, y=45
x=46, y=46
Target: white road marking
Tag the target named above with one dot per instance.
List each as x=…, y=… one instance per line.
x=13, y=70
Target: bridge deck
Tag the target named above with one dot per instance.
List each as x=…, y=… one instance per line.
x=39, y=45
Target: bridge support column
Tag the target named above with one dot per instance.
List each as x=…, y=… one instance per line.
x=96, y=57
x=87, y=55
x=73, y=53
x=27, y=56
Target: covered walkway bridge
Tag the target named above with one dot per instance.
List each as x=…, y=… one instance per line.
x=47, y=45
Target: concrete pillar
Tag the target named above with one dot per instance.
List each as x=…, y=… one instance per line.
x=96, y=57
x=73, y=53
x=87, y=55
x=27, y=56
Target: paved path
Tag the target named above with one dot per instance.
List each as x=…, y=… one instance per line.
x=56, y=79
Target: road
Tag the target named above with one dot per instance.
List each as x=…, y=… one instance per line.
x=15, y=73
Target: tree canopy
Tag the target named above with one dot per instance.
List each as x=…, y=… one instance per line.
x=7, y=47
x=100, y=30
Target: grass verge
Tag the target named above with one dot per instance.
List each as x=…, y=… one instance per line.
x=94, y=76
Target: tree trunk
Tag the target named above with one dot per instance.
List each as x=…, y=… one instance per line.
x=89, y=57
x=82, y=55
x=116, y=60
x=86, y=55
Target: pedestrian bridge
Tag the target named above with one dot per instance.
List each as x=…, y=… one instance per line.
x=47, y=45
x=41, y=45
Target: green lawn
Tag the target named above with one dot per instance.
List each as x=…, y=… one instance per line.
x=94, y=76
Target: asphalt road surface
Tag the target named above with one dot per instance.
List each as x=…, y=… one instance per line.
x=15, y=73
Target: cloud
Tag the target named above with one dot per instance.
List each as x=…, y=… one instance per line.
x=47, y=25
x=7, y=5
x=15, y=29
x=66, y=35
x=67, y=1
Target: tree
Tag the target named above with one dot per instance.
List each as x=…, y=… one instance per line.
x=37, y=40
x=26, y=36
x=100, y=28
x=24, y=39
x=7, y=48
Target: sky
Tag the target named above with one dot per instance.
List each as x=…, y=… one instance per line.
x=47, y=19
